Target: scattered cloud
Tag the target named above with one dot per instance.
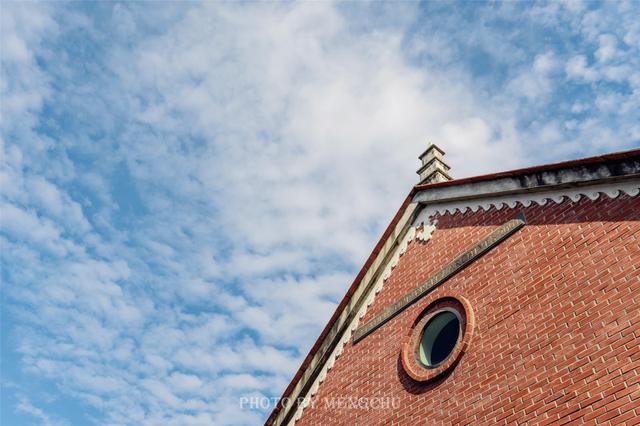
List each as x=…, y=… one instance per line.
x=187, y=192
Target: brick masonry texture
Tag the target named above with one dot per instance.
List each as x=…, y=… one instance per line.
x=557, y=325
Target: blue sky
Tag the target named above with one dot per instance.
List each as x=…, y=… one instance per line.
x=187, y=189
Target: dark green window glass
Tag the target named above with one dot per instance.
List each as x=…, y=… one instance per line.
x=440, y=336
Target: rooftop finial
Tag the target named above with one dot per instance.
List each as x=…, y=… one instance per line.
x=433, y=169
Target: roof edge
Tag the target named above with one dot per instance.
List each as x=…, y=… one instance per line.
x=569, y=174
x=344, y=303
x=534, y=169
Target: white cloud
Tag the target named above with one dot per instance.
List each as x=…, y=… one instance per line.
x=577, y=68
x=23, y=224
x=27, y=407
x=607, y=49
x=187, y=383
x=23, y=27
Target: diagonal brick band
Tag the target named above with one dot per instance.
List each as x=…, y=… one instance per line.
x=464, y=260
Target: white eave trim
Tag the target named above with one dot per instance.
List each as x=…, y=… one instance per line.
x=593, y=192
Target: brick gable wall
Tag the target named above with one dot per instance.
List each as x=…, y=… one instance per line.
x=557, y=333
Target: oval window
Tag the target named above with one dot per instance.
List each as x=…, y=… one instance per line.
x=440, y=335
x=439, y=338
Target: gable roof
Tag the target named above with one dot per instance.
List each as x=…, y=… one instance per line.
x=589, y=171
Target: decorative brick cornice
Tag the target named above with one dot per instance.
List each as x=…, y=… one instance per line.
x=611, y=190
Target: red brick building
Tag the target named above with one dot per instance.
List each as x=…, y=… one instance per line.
x=499, y=299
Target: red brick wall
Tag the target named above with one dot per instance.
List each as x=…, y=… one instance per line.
x=557, y=334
